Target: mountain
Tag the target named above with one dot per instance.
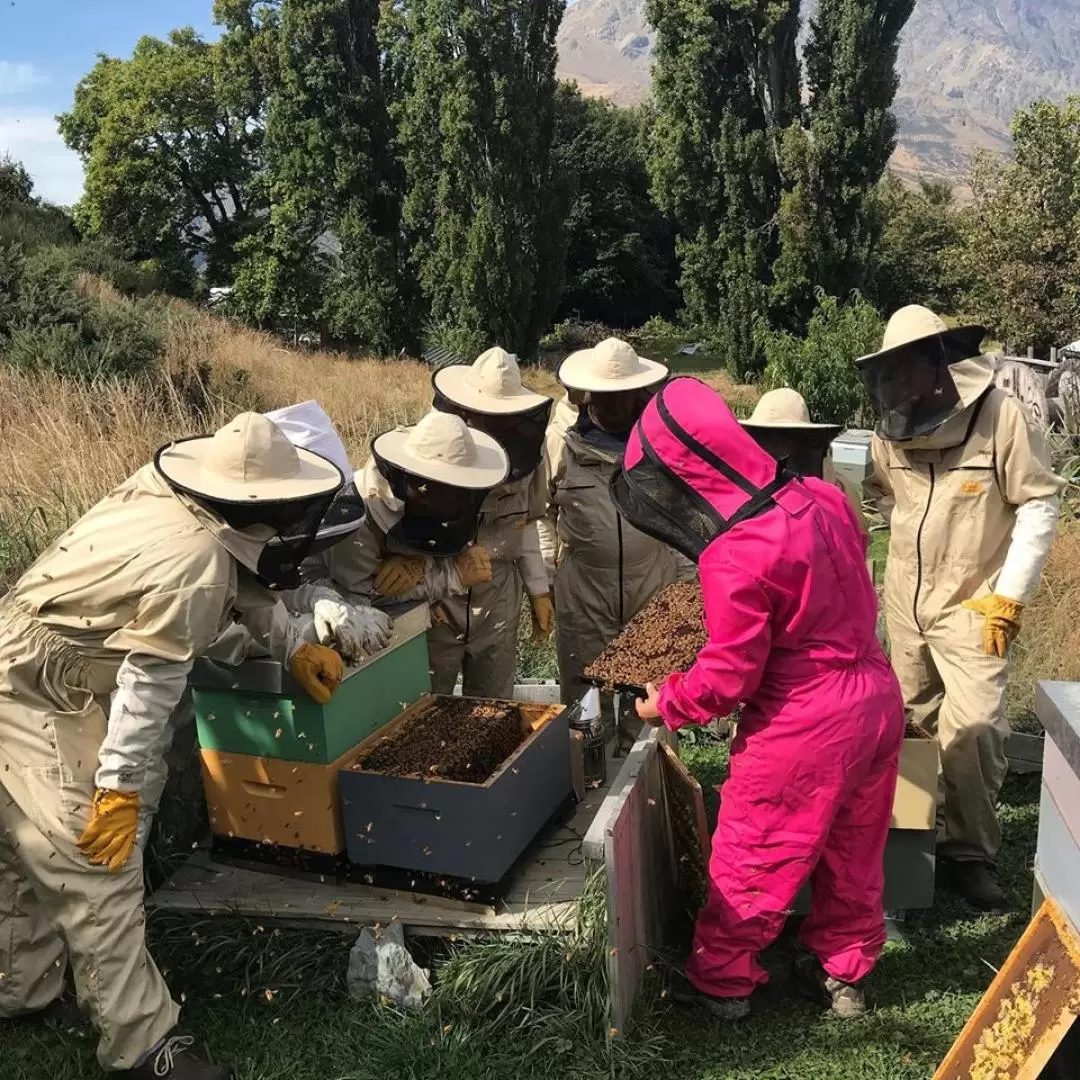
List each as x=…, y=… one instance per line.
x=965, y=67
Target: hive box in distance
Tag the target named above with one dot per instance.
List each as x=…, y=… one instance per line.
x=258, y=709
x=291, y=804
x=471, y=831
x=910, y=860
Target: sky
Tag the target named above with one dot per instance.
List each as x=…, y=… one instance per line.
x=46, y=46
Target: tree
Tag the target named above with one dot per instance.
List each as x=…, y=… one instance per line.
x=771, y=197
x=170, y=145
x=918, y=259
x=1022, y=242
x=16, y=187
x=726, y=84
x=620, y=265
x=821, y=366
x=830, y=216
x=330, y=250
x=475, y=128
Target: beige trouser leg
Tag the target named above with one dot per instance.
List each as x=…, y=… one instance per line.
x=100, y=916
x=32, y=954
x=953, y=689
x=479, y=638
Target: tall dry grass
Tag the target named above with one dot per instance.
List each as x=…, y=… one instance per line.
x=65, y=445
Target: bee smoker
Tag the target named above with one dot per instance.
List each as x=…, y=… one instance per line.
x=587, y=720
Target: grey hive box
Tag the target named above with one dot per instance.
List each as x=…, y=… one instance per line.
x=471, y=831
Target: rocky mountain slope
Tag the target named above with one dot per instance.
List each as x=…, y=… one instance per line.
x=966, y=66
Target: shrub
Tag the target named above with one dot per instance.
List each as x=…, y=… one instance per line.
x=573, y=334
x=822, y=365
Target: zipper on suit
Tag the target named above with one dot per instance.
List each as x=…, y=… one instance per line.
x=918, y=550
x=618, y=529
x=468, y=616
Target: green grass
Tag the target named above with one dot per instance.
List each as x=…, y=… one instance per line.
x=273, y=1003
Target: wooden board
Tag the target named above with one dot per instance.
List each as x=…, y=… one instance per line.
x=689, y=830
x=632, y=832
x=1028, y=1010
x=1025, y=753
x=543, y=893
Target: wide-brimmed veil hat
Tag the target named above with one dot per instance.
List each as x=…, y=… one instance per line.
x=443, y=448
x=785, y=409
x=250, y=460
x=610, y=367
x=491, y=384
x=915, y=324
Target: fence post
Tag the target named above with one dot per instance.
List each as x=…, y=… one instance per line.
x=1031, y=352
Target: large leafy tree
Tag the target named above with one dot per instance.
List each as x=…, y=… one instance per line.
x=171, y=142
x=330, y=248
x=830, y=214
x=726, y=84
x=620, y=264
x=771, y=178
x=1022, y=242
x=475, y=127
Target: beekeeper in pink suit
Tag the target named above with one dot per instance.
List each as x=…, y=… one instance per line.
x=791, y=614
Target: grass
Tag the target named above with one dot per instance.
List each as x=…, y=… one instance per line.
x=273, y=1002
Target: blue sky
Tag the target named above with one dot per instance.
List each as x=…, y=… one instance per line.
x=46, y=46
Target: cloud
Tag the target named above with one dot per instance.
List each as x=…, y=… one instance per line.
x=31, y=136
x=17, y=78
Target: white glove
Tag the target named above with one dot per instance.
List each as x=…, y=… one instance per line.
x=354, y=631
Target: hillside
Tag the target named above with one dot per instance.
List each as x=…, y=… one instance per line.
x=965, y=65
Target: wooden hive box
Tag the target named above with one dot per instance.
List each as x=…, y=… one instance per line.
x=471, y=831
x=258, y=709
x=291, y=804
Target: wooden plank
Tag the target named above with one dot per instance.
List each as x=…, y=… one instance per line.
x=640, y=880
x=1028, y=1010
x=690, y=841
x=1025, y=753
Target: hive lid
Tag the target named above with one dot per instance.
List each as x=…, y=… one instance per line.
x=266, y=676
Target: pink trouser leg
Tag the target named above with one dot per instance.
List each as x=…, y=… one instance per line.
x=846, y=927
x=775, y=815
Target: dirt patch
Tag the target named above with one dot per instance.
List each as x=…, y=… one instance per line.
x=459, y=739
x=664, y=637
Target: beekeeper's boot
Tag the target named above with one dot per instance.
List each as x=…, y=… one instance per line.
x=172, y=1060
x=683, y=992
x=975, y=882
x=845, y=1000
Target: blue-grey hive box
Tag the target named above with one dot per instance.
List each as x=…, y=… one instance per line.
x=474, y=832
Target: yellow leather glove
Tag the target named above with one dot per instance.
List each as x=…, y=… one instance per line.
x=1002, y=623
x=318, y=670
x=474, y=566
x=543, y=617
x=109, y=839
x=399, y=574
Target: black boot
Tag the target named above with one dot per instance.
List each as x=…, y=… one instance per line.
x=63, y=1013
x=975, y=882
x=173, y=1060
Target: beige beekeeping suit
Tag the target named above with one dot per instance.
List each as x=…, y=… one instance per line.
x=604, y=569
x=141, y=585
x=476, y=634
x=353, y=565
x=972, y=509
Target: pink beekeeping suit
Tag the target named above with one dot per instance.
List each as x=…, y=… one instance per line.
x=791, y=614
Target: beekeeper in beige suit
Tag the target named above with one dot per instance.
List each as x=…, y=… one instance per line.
x=475, y=635
x=423, y=488
x=780, y=424
x=965, y=481
x=604, y=570
x=125, y=601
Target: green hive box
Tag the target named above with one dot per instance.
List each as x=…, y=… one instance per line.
x=257, y=708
